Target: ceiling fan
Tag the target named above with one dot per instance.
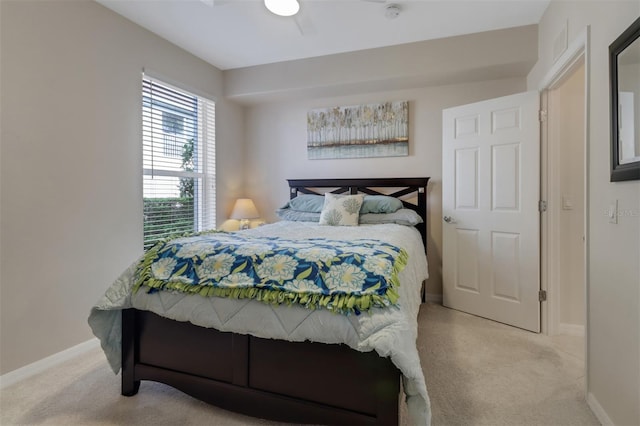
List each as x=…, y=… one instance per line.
x=291, y=9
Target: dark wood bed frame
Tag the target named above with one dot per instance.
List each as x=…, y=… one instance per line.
x=268, y=378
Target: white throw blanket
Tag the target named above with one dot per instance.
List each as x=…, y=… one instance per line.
x=391, y=332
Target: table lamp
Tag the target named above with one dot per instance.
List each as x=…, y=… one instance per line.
x=243, y=210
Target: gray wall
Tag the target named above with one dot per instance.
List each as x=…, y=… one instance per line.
x=71, y=214
x=613, y=311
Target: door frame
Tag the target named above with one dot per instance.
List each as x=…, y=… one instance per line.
x=576, y=54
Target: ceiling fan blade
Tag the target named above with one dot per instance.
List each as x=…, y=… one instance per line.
x=304, y=24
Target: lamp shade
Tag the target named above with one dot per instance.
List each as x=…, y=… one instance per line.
x=244, y=209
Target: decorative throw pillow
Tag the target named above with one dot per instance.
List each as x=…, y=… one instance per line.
x=341, y=210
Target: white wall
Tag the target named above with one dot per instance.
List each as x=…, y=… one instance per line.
x=613, y=353
x=71, y=186
x=276, y=149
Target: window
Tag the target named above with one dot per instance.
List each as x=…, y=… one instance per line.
x=172, y=126
x=178, y=147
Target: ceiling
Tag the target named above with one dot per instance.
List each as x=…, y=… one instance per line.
x=241, y=33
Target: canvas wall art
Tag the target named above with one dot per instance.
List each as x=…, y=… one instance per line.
x=372, y=130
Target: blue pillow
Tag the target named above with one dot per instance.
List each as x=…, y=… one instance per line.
x=298, y=216
x=380, y=204
x=406, y=217
x=306, y=203
x=313, y=203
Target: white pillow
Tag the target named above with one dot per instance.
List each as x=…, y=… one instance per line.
x=341, y=210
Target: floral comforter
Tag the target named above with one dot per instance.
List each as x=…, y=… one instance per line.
x=341, y=276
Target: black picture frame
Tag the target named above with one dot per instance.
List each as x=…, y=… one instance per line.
x=631, y=170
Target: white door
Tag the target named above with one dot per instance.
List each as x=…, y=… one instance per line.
x=490, y=194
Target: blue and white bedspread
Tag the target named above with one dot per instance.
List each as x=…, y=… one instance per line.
x=390, y=331
x=316, y=273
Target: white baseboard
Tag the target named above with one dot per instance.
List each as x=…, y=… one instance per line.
x=571, y=329
x=44, y=364
x=597, y=409
x=434, y=297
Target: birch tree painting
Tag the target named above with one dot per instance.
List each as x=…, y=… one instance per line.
x=373, y=130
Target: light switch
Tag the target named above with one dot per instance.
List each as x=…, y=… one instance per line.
x=612, y=212
x=567, y=203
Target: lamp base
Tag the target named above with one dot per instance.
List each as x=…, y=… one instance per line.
x=244, y=224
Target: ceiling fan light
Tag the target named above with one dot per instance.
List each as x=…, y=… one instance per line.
x=283, y=7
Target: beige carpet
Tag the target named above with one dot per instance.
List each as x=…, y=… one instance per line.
x=478, y=372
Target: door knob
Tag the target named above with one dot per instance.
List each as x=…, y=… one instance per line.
x=449, y=219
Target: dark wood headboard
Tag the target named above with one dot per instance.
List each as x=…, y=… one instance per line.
x=404, y=186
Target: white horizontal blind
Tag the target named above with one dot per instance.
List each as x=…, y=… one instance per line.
x=178, y=146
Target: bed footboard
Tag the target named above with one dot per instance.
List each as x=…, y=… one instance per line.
x=299, y=382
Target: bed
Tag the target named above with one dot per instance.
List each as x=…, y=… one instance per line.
x=276, y=363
